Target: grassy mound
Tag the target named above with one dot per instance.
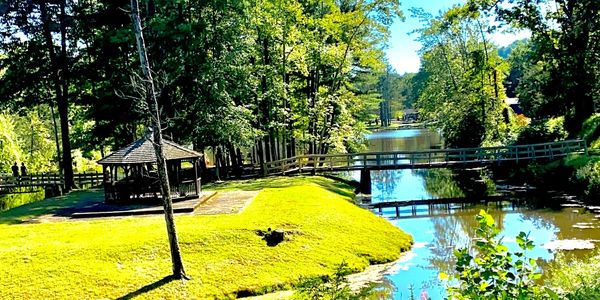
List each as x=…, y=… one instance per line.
x=129, y=257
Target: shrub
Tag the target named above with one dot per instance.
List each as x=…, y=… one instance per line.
x=493, y=272
x=589, y=176
x=590, y=131
x=336, y=287
x=541, y=131
x=576, y=278
x=14, y=200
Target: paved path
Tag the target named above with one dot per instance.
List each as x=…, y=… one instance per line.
x=233, y=202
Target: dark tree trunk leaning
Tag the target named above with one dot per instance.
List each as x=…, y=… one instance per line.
x=178, y=269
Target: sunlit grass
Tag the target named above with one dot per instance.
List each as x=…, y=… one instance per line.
x=127, y=257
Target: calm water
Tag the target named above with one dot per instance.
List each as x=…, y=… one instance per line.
x=438, y=230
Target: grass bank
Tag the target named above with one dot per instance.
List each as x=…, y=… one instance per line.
x=13, y=200
x=576, y=174
x=129, y=257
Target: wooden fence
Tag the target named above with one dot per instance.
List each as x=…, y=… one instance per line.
x=11, y=184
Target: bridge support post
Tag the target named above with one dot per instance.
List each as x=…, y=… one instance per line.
x=365, y=182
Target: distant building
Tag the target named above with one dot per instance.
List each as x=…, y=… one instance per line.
x=410, y=115
x=514, y=104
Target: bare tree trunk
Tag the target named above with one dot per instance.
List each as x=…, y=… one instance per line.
x=178, y=269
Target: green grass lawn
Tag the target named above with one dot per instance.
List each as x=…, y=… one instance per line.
x=129, y=257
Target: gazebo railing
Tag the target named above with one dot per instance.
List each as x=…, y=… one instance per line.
x=186, y=188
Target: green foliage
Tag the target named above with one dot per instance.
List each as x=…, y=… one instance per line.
x=493, y=272
x=562, y=64
x=10, y=151
x=543, y=130
x=462, y=78
x=589, y=177
x=27, y=139
x=36, y=139
x=516, y=54
x=590, y=132
x=237, y=74
x=14, y=200
x=576, y=279
x=335, y=287
x=576, y=174
x=82, y=164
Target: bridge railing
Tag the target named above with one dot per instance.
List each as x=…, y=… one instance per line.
x=45, y=179
x=427, y=158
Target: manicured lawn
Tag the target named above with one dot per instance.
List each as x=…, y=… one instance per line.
x=129, y=257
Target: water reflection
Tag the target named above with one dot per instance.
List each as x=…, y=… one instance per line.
x=401, y=185
x=438, y=229
x=403, y=140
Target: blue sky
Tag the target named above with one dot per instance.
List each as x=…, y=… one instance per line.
x=402, y=50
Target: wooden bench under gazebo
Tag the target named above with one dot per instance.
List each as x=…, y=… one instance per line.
x=130, y=174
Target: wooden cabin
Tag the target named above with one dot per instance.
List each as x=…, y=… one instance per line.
x=130, y=174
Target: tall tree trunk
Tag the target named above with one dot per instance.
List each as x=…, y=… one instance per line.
x=287, y=129
x=63, y=105
x=261, y=158
x=58, y=159
x=60, y=89
x=235, y=164
x=265, y=110
x=178, y=269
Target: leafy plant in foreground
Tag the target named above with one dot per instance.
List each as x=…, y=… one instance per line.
x=493, y=272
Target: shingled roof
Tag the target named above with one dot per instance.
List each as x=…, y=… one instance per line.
x=142, y=151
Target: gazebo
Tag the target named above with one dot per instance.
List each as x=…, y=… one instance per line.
x=130, y=173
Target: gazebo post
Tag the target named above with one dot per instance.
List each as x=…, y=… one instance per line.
x=196, y=185
x=104, y=182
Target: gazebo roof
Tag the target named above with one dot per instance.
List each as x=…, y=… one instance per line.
x=142, y=151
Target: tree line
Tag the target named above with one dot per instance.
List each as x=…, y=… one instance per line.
x=269, y=77
x=464, y=77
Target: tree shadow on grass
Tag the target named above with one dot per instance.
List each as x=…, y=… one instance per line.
x=147, y=288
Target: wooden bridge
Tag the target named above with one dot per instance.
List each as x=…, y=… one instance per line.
x=435, y=158
x=50, y=181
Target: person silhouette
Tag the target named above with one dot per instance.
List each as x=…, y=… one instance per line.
x=23, y=169
x=15, y=170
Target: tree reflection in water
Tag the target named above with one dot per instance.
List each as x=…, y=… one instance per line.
x=439, y=229
x=386, y=183
x=457, y=227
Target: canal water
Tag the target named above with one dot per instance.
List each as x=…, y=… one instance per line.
x=439, y=229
